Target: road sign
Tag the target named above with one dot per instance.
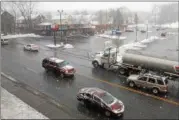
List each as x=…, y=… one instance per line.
x=55, y=27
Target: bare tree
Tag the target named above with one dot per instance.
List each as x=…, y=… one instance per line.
x=26, y=9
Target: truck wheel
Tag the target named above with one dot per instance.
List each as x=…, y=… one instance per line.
x=131, y=84
x=155, y=90
x=95, y=64
x=121, y=71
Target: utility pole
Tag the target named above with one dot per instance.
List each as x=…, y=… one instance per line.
x=54, y=38
x=136, y=22
x=147, y=30
x=106, y=20
x=60, y=24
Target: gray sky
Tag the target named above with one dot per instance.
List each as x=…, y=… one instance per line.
x=134, y=6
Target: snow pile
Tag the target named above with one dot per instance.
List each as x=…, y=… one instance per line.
x=116, y=37
x=54, y=46
x=172, y=25
x=149, y=40
x=137, y=45
x=20, y=35
x=172, y=33
x=112, y=36
x=67, y=46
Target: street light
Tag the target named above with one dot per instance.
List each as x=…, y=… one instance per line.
x=60, y=11
x=147, y=29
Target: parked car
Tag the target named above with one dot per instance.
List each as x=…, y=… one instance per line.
x=129, y=30
x=143, y=31
x=4, y=42
x=152, y=82
x=31, y=47
x=107, y=103
x=58, y=66
x=163, y=34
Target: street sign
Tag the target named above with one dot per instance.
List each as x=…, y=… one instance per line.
x=55, y=27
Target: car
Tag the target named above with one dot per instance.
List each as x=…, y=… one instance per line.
x=163, y=34
x=31, y=47
x=58, y=66
x=4, y=42
x=97, y=97
x=129, y=30
x=143, y=31
x=156, y=83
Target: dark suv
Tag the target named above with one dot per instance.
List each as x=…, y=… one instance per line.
x=58, y=66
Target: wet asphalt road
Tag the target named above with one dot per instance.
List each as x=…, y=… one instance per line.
x=26, y=67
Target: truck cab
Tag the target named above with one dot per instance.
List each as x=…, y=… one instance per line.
x=108, y=56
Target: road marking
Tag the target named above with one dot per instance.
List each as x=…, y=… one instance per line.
x=9, y=77
x=135, y=91
x=31, y=70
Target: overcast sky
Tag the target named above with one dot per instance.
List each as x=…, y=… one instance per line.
x=134, y=6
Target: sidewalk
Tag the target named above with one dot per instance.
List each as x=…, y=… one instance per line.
x=19, y=102
x=14, y=108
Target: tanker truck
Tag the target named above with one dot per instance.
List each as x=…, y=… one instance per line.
x=135, y=64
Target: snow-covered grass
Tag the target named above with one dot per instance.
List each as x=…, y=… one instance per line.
x=20, y=35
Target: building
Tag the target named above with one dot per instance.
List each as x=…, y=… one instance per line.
x=23, y=25
x=7, y=23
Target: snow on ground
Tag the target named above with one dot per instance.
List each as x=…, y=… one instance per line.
x=20, y=35
x=67, y=46
x=136, y=46
x=14, y=108
x=171, y=25
x=54, y=46
x=112, y=36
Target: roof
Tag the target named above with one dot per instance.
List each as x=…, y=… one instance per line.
x=56, y=60
x=32, y=17
x=45, y=23
x=94, y=91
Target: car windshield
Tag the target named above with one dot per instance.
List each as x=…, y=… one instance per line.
x=106, y=97
x=64, y=63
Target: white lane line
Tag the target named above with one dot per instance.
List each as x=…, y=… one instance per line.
x=9, y=77
x=31, y=70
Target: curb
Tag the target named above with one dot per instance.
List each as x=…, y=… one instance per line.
x=40, y=94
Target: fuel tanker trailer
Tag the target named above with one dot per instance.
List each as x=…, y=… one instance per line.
x=134, y=63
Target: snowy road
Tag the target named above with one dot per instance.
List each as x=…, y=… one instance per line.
x=26, y=67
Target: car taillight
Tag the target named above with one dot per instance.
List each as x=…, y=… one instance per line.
x=66, y=71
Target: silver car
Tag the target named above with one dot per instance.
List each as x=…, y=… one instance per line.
x=31, y=47
x=4, y=41
x=153, y=82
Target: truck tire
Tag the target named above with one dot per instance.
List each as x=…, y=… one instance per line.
x=122, y=71
x=95, y=64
